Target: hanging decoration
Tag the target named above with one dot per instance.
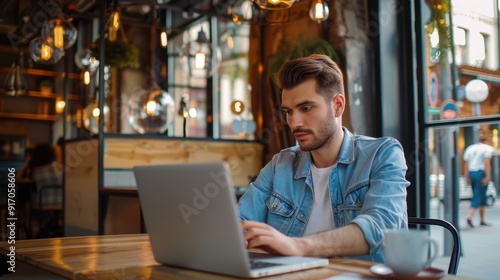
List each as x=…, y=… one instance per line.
x=60, y=32
x=199, y=55
x=15, y=83
x=319, y=10
x=152, y=111
x=274, y=4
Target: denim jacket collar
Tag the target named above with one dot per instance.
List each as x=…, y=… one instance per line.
x=346, y=155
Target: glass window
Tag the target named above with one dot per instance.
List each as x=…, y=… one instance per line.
x=236, y=118
x=460, y=39
x=461, y=98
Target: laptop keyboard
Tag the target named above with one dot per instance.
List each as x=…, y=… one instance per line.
x=261, y=264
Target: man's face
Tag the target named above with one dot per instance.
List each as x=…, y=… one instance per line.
x=310, y=117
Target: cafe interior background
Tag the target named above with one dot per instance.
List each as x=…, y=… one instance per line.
x=190, y=81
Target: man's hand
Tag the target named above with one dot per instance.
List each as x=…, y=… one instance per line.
x=262, y=236
x=485, y=181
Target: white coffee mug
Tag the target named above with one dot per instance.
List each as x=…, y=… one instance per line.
x=407, y=251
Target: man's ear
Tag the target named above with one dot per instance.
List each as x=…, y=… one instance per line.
x=338, y=101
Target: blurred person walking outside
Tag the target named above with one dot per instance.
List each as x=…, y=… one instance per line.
x=477, y=173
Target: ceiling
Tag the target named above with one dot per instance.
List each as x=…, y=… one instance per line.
x=17, y=15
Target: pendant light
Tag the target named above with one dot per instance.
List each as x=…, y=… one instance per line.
x=15, y=83
x=43, y=51
x=319, y=11
x=61, y=32
x=274, y=4
x=152, y=111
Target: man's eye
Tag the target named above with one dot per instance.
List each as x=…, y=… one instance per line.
x=306, y=108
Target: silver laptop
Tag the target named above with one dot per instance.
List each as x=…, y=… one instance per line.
x=191, y=216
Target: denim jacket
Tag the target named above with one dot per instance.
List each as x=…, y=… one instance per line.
x=367, y=187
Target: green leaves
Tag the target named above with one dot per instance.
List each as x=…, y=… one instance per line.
x=119, y=53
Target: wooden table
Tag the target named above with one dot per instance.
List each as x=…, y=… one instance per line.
x=130, y=257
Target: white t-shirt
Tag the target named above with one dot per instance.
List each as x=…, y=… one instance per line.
x=475, y=155
x=321, y=218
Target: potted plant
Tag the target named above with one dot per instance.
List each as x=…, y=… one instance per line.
x=118, y=53
x=46, y=86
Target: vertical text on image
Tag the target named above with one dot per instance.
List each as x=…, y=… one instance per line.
x=11, y=218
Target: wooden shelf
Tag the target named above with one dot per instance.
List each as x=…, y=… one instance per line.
x=45, y=73
x=35, y=117
x=39, y=94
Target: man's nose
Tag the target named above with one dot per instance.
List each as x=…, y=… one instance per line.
x=294, y=121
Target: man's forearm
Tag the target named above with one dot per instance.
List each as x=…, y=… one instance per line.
x=345, y=241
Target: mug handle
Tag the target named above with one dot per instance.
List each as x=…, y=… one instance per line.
x=434, y=248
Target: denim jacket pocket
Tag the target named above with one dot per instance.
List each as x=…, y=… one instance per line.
x=354, y=202
x=280, y=205
x=281, y=212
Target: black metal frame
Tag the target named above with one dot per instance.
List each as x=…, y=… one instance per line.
x=456, y=252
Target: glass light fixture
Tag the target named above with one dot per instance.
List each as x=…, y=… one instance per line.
x=86, y=77
x=243, y=11
x=163, y=38
x=203, y=49
x=62, y=32
x=60, y=104
x=114, y=25
x=42, y=51
x=85, y=59
x=198, y=55
x=91, y=115
x=15, y=83
x=319, y=11
x=274, y=4
x=152, y=111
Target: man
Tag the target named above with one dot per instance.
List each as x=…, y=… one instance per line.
x=336, y=192
x=477, y=173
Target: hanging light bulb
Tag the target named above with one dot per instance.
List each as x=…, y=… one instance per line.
x=58, y=36
x=230, y=42
x=15, y=83
x=86, y=77
x=163, y=38
x=152, y=111
x=60, y=104
x=200, y=60
x=204, y=48
x=45, y=51
x=114, y=25
x=85, y=59
x=91, y=115
x=274, y=4
x=61, y=32
x=42, y=51
x=319, y=11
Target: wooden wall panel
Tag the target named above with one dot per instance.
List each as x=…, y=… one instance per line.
x=245, y=158
x=81, y=188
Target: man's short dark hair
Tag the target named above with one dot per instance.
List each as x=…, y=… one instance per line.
x=320, y=67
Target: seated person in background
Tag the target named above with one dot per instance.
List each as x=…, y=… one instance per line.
x=24, y=172
x=46, y=173
x=335, y=193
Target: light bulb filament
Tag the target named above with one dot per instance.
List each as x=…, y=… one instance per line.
x=86, y=77
x=319, y=11
x=151, y=107
x=46, y=51
x=58, y=36
x=96, y=112
x=163, y=39
x=200, y=60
